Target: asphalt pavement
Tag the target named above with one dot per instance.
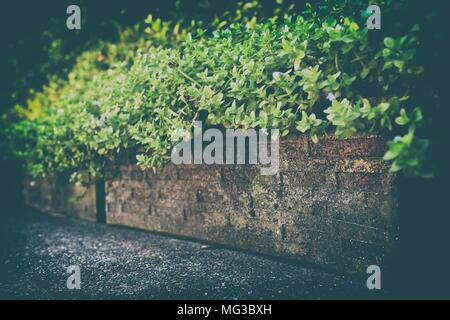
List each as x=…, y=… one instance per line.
x=123, y=263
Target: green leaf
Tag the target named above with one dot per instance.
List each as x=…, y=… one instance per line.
x=364, y=73
x=298, y=60
x=403, y=119
x=395, y=149
x=303, y=125
x=417, y=115
x=389, y=42
x=395, y=167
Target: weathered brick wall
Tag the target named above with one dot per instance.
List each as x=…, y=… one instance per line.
x=333, y=203
x=57, y=196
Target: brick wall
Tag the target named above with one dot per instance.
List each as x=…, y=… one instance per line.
x=333, y=203
x=59, y=197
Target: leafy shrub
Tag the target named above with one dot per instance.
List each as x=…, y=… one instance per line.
x=318, y=72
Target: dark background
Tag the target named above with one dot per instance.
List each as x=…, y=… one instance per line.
x=28, y=28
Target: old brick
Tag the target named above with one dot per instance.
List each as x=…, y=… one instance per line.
x=246, y=174
x=293, y=150
x=307, y=164
x=362, y=233
x=205, y=207
x=301, y=180
x=361, y=165
x=168, y=172
x=313, y=245
x=137, y=174
x=199, y=172
x=168, y=210
x=301, y=140
x=56, y=195
x=366, y=208
x=357, y=147
x=361, y=181
x=214, y=196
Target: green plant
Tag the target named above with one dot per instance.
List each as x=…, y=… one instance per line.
x=314, y=72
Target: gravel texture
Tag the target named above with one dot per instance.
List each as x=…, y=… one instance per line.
x=121, y=263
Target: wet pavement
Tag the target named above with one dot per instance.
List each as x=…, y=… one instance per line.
x=122, y=263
